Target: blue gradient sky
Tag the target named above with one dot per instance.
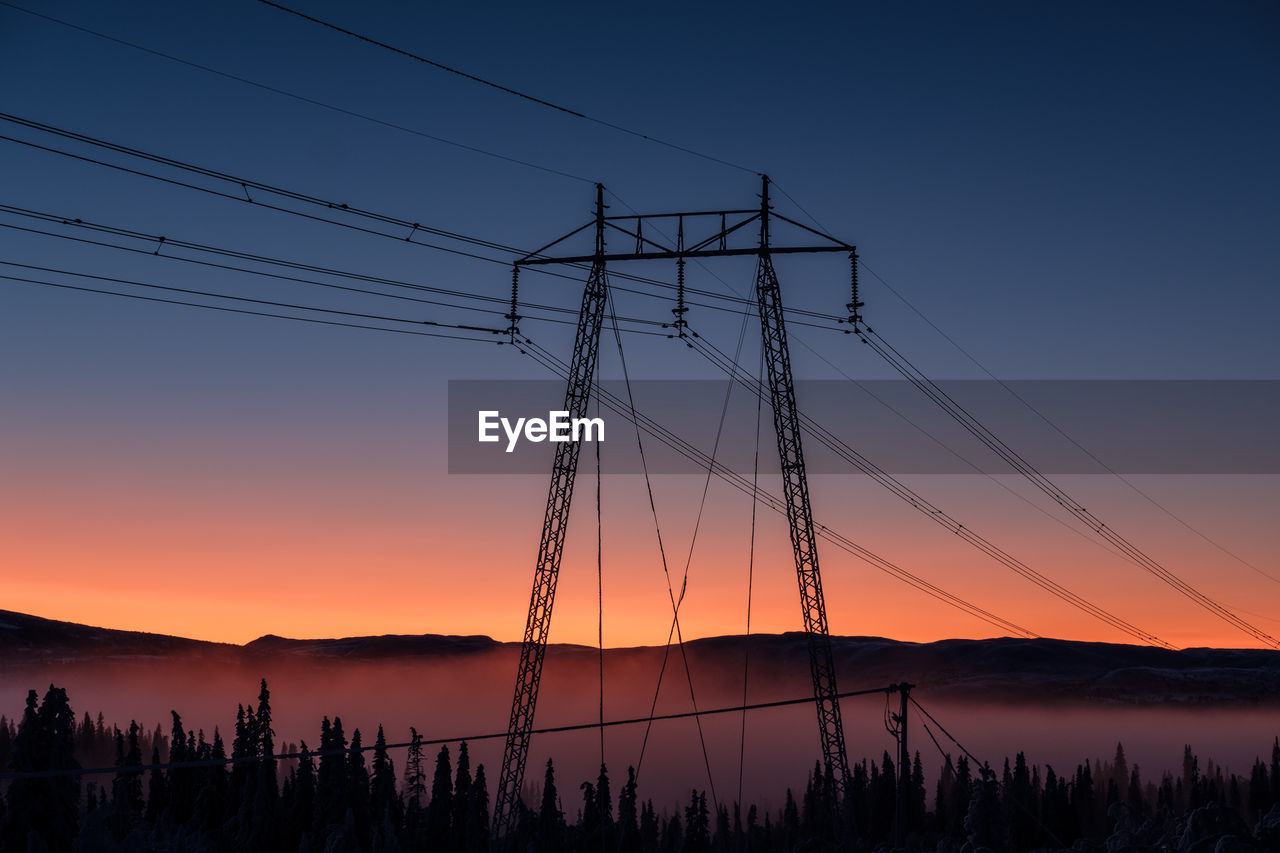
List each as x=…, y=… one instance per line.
x=1068, y=190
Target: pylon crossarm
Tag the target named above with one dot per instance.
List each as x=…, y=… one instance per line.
x=556, y=242
x=711, y=240
x=801, y=225
x=673, y=254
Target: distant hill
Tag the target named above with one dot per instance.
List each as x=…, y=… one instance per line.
x=25, y=638
x=1005, y=669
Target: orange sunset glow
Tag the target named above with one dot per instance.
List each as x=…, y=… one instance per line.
x=153, y=537
x=928, y=496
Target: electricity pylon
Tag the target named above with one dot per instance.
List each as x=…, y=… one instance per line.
x=719, y=242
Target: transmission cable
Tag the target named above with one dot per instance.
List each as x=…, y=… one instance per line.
x=1056, y=519
x=278, y=91
x=242, y=310
x=1149, y=564
x=600, y=580
x=411, y=228
x=699, y=458
x=286, y=756
x=159, y=241
x=918, y=502
x=514, y=92
x=688, y=451
x=675, y=605
x=751, y=570
x=1060, y=431
x=931, y=390
x=268, y=302
x=984, y=769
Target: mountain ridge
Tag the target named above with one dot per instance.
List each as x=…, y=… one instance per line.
x=1005, y=669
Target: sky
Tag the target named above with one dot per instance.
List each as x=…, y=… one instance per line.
x=1066, y=191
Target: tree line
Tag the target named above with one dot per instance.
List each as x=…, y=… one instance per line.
x=183, y=791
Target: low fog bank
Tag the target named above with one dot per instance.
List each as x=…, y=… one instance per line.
x=462, y=689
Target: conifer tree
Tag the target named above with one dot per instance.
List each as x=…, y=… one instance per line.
x=790, y=822
x=86, y=742
x=722, y=837
x=1020, y=812
x=461, y=801
x=697, y=829
x=1082, y=800
x=916, y=796
x=1275, y=771
x=1058, y=816
x=628, y=822
x=358, y=796
x=126, y=791
x=331, y=778
x=298, y=818
x=211, y=801
x=857, y=806
x=46, y=808
x=477, y=833
x=415, y=779
x=264, y=737
x=157, y=789
x=812, y=819
x=440, y=809
x=1259, y=789
x=672, y=836
x=1120, y=767
x=758, y=838
x=382, y=784
x=589, y=818
x=649, y=828
x=549, y=833
x=604, y=800
x=985, y=821
x=181, y=781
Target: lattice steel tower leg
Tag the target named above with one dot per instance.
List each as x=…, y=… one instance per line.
x=533, y=649
x=795, y=485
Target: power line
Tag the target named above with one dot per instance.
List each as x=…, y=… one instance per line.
x=158, y=241
x=286, y=756
x=514, y=92
x=1060, y=431
x=422, y=134
x=1149, y=564
x=751, y=571
x=244, y=184
x=459, y=326
x=267, y=302
x=675, y=604
x=983, y=434
x=984, y=768
x=904, y=492
x=1191, y=592
x=226, y=177
x=242, y=311
x=240, y=195
x=278, y=91
x=690, y=452
x=1064, y=523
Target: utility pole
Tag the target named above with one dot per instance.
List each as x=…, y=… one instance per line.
x=898, y=729
x=707, y=241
